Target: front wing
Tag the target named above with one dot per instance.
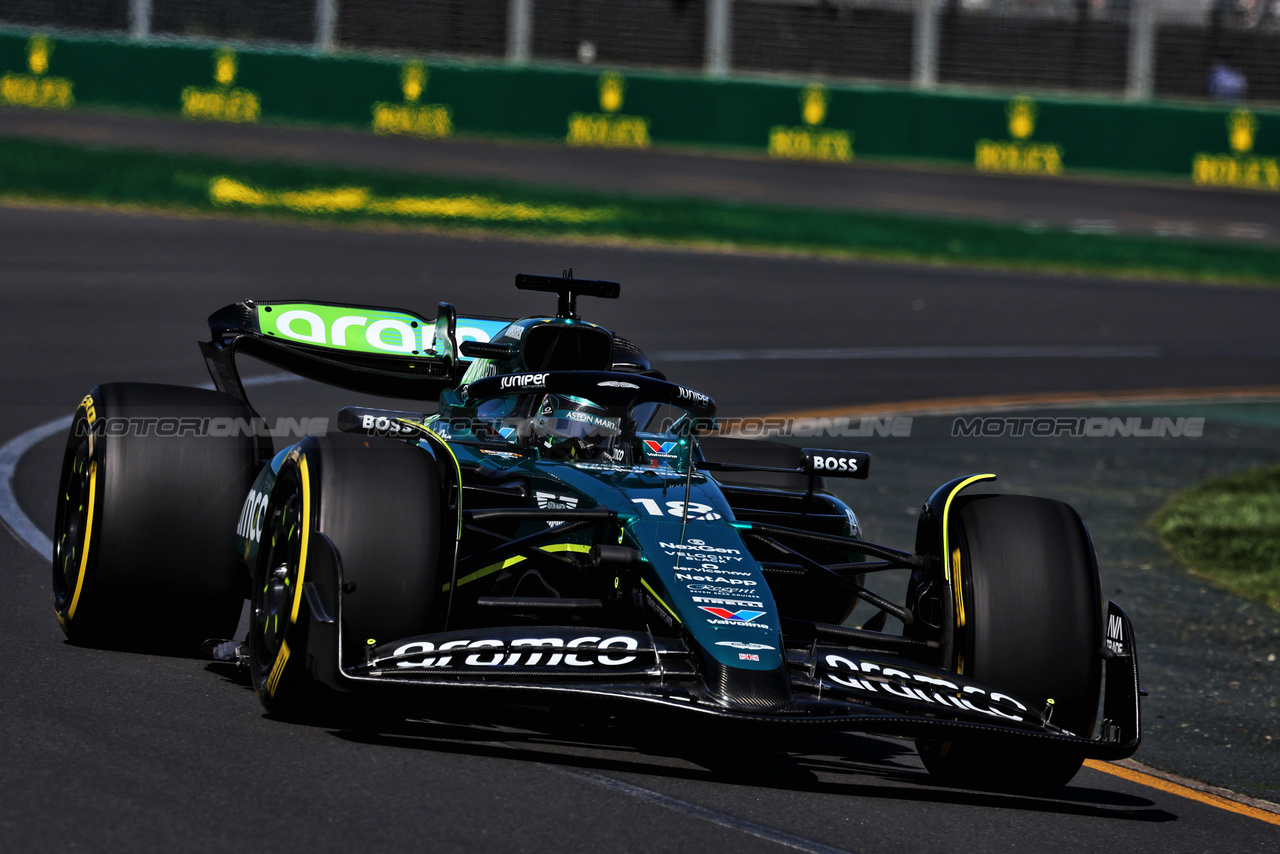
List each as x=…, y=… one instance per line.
x=835, y=688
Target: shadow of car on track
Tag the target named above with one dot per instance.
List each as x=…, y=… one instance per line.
x=842, y=764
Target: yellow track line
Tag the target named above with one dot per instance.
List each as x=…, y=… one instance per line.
x=964, y=404
x=1178, y=789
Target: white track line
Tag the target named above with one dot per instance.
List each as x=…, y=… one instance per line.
x=12, y=452
x=993, y=352
x=723, y=819
x=10, y=513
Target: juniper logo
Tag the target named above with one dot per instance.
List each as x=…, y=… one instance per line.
x=225, y=102
x=410, y=117
x=37, y=89
x=811, y=142
x=1019, y=155
x=609, y=129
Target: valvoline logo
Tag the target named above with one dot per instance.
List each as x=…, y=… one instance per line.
x=733, y=616
x=663, y=448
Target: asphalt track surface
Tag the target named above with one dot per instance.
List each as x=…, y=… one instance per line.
x=112, y=751
x=1172, y=210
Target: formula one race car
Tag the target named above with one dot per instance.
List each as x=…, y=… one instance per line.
x=568, y=529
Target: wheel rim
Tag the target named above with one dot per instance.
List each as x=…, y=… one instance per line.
x=73, y=525
x=276, y=583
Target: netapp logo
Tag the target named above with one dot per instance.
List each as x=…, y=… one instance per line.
x=714, y=579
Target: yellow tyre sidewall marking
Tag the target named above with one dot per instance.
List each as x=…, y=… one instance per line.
x=955, y=571
x=305, y=477
x=282, y=655
x=273, y=680
x=90, y=415
x=947, y=555
x=88, y=532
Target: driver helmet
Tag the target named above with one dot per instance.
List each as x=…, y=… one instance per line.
x=577, y=425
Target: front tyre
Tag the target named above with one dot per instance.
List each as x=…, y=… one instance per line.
x=153, y=479
x=1028, y=621
x=378, y=503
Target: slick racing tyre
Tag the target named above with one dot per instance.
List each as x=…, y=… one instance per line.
x=1029, y=621
x=151, y=487
x=378, y=502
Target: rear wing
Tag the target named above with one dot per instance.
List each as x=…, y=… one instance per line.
x=381, y=351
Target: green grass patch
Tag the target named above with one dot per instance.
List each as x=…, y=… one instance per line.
x=1228, y=531
x=63, y=172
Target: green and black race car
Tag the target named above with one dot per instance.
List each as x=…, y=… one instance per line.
x=567, y=529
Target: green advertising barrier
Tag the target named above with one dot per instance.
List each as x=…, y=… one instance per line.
x=1210, y=145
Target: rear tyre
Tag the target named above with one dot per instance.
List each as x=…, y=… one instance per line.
x=144, y=551
x=1029, y=622
x=378, y=502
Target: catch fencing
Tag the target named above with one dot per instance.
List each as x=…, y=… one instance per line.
x=1139, y=49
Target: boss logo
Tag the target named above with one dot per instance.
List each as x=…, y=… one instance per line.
x=837, y=463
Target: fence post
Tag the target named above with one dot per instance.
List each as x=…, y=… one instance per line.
x=926, y=38
x=719, y=37
x=519, y=30
x=139, y=19
x=326, y=24
x=1142, y=49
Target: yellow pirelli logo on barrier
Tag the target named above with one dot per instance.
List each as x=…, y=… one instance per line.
x=225, y=102
x=1019, y=155
x=37, y=88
